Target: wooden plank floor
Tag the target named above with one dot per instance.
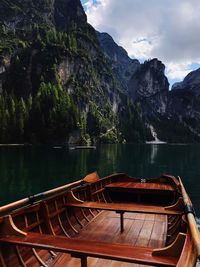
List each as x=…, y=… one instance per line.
x=147, y=230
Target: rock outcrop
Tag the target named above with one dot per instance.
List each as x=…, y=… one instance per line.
x=21, y=14
x=52, y=38
x=190, y=83
x=57, y=72
x=46, y=47
x=150, y=87
x=123, y=66
x=175, y=114
x=184, y=101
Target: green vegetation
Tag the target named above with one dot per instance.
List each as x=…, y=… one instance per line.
x=14, y=115
x=39, y=105
x=47, y=118
x=173, y=130
x=51, y=116
x=131, y=123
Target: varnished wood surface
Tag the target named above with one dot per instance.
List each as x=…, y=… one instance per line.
x=91, y=248
x=140, y=230
x=188, y=259
x=191, y=219
x=142, y=186
x=94, y=236
x=125, y=207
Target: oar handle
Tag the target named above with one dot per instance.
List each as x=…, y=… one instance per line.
x=191, y=218
x=32, y=199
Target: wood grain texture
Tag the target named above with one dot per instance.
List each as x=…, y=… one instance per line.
x=124, y=207
x=81, y=248
x=142, y=186
x=62, y=233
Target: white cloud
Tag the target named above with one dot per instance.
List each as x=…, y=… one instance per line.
x=178, y=71
x=167, y=29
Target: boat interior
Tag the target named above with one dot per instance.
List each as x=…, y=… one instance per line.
x=116, y=221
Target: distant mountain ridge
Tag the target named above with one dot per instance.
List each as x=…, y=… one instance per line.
x=191, y=82
x=164, y=109
x=184, y=101
x=142, y=82
x=123, y=66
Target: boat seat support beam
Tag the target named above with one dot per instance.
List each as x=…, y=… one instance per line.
x=83, y=261
x=121, y=213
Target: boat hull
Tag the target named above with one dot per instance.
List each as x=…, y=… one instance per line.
x=109, y=222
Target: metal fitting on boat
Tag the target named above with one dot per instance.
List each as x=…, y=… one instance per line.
x=189, y=209
x=32, y=199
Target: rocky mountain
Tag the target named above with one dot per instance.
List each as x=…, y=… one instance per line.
x=144, y=83
x=150, y=86
x=123, y=66
x=184, y=101
x=174, y=115
x=20, y=14
x=61, y=81
x=56, y=83
x=190, y=83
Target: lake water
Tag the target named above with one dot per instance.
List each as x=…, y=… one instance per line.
x=25, y=171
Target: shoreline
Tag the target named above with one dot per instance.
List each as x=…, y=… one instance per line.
x=70, y=146
x=156, y=142
x=15, y=144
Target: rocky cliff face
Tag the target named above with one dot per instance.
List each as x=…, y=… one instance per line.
x=21, y=14
x=58, y=78
x=35, y=36
x=190, y=83
x=123, y=66
x=184, y=101
x=150, y=87
x=173, y=114
x=49, y=53
x=145, y=83
x=52, y=38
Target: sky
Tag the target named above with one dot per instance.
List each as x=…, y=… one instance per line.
x=165, y=29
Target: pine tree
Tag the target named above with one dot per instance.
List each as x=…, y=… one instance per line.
x=21, y=118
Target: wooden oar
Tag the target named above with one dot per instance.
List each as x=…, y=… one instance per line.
x=191, y=218
x=36, y=197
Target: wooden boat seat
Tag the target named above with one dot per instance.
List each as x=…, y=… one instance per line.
x=86, y=248
x=121, y=208
x=141, y=186
x=125, y=207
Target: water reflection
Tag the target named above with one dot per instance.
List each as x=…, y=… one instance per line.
x=26, y=171
x=154, y=152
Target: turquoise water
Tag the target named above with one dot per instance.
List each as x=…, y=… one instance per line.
x=25, y=171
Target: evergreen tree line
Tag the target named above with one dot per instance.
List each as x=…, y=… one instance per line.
x=51, y=116
x=47, y=117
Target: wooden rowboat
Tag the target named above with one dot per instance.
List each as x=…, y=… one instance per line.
x=113, y=221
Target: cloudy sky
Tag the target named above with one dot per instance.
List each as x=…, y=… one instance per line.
x=166, y=29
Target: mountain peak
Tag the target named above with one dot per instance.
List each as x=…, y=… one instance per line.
x=155, y=64
x=67, y=11
x=150, y=86
x=192, y=78
x=122, y=64
x=22, y=13
x=191, y=82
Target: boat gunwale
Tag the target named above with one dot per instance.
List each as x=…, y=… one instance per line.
x=51, y=194
x=33, y=199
